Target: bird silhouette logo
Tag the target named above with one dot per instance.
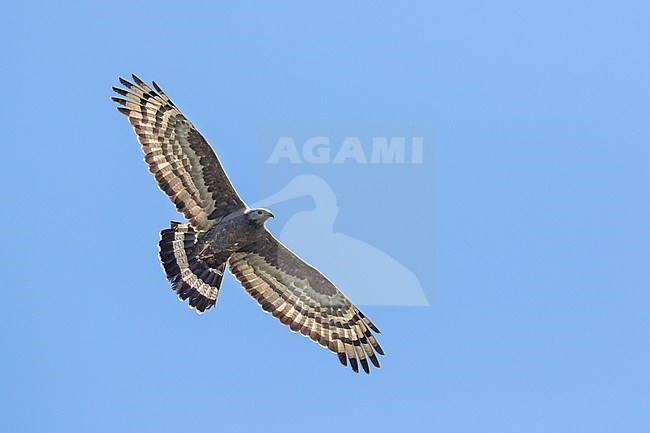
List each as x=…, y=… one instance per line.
x=350, y=262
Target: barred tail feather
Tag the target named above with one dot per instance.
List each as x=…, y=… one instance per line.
x=190, y=276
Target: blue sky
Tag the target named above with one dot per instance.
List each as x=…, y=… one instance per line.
x=536, y=266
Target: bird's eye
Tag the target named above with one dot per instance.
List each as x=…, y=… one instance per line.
x=259, y=212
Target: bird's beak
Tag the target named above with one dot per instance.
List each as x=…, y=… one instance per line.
x=271, y=215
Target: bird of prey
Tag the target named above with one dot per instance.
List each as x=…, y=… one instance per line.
x=222, y=231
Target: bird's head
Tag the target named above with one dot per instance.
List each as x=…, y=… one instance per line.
x=258, y=216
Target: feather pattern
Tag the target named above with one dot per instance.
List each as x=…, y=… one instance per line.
x=302, y=298
x=183, y=163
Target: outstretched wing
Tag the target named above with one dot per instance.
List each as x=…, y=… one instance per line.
x=302, y=298
x=183, y=163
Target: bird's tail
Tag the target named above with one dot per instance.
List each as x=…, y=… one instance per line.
x=190, y=276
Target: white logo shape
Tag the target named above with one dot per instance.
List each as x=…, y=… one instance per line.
x=366, y=274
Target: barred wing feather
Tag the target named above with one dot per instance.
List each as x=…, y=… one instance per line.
x=183, y=163
x=305, y=300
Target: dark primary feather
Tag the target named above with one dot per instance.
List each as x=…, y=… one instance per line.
x=183, y=163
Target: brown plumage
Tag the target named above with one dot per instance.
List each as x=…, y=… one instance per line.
x=222, y=231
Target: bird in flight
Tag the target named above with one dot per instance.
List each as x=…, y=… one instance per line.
x=222, y=231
